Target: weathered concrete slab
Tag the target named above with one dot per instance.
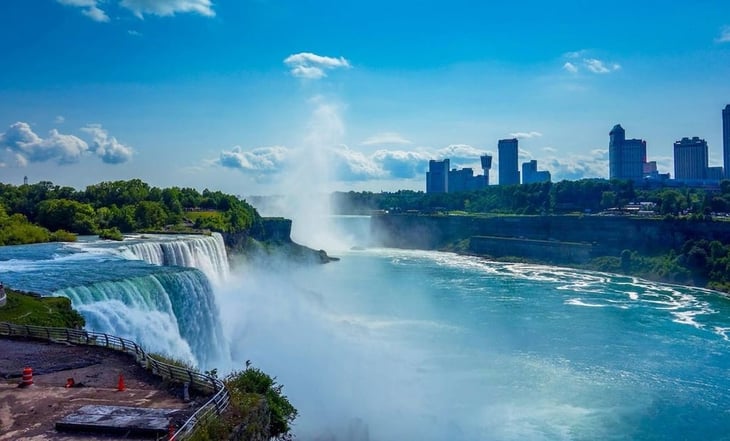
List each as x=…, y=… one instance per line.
x=139, y=421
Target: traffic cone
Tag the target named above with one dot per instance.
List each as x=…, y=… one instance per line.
x=70, y=382
x=171, y=432
x=120, y=384
x=27, y=377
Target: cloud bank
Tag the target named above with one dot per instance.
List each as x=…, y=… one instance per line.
x=140, y=8
x=27, y=147
x=312, y=66
x=345, y=164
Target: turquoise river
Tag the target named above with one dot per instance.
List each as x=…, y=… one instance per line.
x=391, y=344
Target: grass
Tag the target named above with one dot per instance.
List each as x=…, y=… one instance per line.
x=28, y=309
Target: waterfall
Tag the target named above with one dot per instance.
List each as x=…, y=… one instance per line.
x=171, y=312
x=206, y=253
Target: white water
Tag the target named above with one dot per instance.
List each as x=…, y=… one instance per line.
x=206, y=253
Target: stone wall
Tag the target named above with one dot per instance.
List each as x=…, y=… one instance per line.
x=543, y=250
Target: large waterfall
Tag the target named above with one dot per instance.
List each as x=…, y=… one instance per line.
x=206, y=253
x=159, y=290
x=172, y=312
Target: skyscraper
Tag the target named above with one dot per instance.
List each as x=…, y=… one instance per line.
x=626, y=157
x=509, y=173
x=437, y=177
x=726, y=141
x=690, y=159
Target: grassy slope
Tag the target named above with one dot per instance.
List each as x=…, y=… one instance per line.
x=27, y=309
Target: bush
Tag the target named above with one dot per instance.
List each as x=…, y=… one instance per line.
x=112, y=233
x=254, y=381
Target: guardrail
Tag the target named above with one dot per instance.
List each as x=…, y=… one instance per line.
x=205, y=383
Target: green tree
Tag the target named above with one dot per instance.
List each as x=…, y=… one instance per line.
x=64, y=214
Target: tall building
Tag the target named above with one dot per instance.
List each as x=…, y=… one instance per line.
x=690, y=159
x=531, y=175
x=437, y=177
x=626, y=157
x=726, y=140
x=509, y=174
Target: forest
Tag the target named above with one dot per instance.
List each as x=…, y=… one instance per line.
x=43, y=212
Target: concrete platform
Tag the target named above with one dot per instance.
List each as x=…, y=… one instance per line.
x=131, y=421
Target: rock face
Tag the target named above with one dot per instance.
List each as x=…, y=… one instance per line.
x=608, y=235
x=274, y=238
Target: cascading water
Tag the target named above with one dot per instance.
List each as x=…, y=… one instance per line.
x=156, y=290
x=207, y=253
x=172, y=313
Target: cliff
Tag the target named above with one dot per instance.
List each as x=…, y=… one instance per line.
x=606, y=235
x=272, y=238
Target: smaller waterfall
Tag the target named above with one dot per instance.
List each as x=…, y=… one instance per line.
x=171, y=312
x=206, y=253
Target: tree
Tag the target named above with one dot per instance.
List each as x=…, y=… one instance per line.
x=64, y=214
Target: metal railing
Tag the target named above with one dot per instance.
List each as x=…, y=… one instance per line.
x=204, y=383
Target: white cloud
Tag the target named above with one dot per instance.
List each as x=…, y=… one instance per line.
x=594, y=165
x=59, y=119
x=575, y=54
x=570, y=67
x=313, y=66
x=400, y=164
x=20, y=140
x=107, y=147
x=724, y=36
x=165, y=8
x=134, y=33
x=89, y=8
x=525, y=135
x=578, y=61
x=597, y=66
x=263, y=160
x=386, y=138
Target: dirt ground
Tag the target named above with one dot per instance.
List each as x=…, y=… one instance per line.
x=30, y=413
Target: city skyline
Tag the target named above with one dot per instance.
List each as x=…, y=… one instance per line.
x=256, y=96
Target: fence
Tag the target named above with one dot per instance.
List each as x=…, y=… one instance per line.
x=204, y=383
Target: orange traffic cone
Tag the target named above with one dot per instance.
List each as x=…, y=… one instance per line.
x=27, y=377
x=171, y=432
x=120, y=385
x=70, y=382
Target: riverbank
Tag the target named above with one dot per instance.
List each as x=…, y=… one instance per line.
x=687, y=252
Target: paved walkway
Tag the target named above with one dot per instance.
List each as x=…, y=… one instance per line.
x=31, y=413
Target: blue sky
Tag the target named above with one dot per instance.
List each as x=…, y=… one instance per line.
x=258, y=97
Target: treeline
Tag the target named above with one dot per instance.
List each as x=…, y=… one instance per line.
x=586, y=195
x=29, y=213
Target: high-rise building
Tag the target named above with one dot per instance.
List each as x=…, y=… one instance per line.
x=690, y=159
x=531, y=175
x=726, y=141
x=626, y=157
x=509, y=174
x=437, y=177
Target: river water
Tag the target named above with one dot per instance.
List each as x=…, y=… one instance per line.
x=393, y=344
